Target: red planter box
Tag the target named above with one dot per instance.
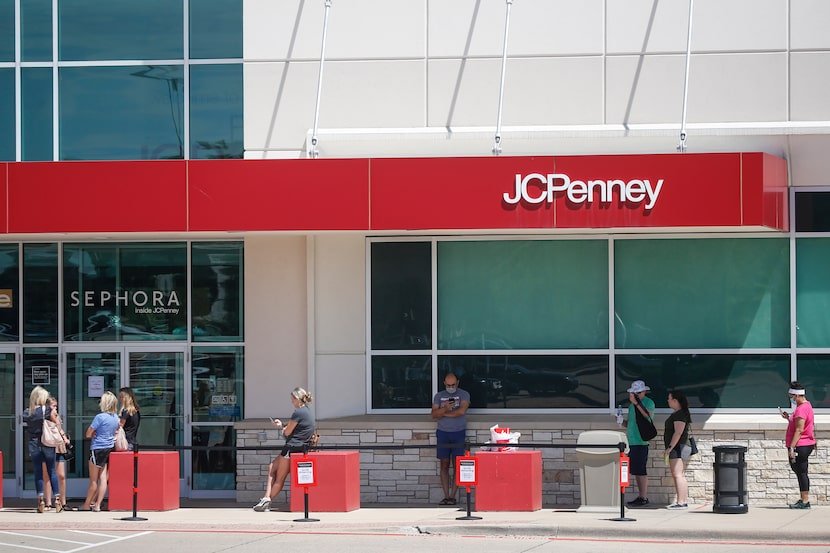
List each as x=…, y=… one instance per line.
x=158, y=481
x=508, y=481
x=338, y=483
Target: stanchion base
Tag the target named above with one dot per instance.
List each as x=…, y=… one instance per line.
x=133, y=518
x=623, y=519
x=468, y=517
x=306, y=520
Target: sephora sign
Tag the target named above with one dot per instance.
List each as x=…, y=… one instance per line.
x=537, y=188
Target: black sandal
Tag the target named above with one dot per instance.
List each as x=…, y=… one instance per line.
x=447, y=501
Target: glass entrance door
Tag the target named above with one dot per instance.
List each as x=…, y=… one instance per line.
x=157, y=376
x=9, y=411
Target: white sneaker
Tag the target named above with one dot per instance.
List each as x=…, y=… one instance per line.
x=678, y=506
x=263, y=505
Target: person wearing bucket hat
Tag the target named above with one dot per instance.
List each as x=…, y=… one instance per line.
x=638, y=448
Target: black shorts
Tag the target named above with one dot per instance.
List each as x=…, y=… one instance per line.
x=287, y=450
x=638, y=457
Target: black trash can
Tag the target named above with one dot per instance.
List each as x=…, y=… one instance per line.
x=730, y=479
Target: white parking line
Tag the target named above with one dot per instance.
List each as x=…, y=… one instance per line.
x=83, y=545
x=17, y=547
x=108, y=542
x=42, y=537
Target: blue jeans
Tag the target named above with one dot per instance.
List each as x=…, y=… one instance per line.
x=43, y=454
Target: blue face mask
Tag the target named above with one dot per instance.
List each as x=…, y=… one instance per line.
x=792, y=402
x=451, y=389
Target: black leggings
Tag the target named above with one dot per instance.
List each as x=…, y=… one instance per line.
x=799, y=466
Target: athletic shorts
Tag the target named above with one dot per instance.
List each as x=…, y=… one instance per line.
x=100, y=457
x=450, y=438
x=287, y=450
x=681, y=452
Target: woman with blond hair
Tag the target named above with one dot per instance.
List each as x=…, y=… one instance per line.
x=130, y=415
x=38, y=411
x=298, y=435
x=60, y=462
x=102, y=431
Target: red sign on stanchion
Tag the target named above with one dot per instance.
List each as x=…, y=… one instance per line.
x=624, y=472
x=304, y=476
x=466, y=476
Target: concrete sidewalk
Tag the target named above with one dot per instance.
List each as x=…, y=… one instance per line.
x=699, y=523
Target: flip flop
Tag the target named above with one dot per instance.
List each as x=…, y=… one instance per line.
x=447, y=501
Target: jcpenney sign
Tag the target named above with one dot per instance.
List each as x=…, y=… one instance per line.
x=536, y=188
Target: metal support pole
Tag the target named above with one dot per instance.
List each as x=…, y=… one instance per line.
x=312, y=151
x=497, y=145
x=682, y=146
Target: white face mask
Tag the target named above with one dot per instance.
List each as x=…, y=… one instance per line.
x=451, y=389
x=792, y=402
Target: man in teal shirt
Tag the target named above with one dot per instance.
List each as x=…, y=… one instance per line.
x=638, y=448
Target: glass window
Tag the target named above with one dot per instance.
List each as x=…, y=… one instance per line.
x=702, y=293
x=121, y=30
x=218, y=383
x=6, y=31
x=730, y=380
x=218, y=291
x=7, y=124
x=36, y=87
x=401, y=381
x=9, y=414
x=9, y=293
x=523, y=294
x=812, y=211
x=36, y=30
x=531, y=381
x=814, y=373
x=40, y=292
x=40, y=368
x=812, y=289
x=215, y=29
x=216, y=129
x=125, y=292
x=401, y=295
x=121, y=112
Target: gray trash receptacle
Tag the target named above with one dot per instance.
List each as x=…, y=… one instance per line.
x=599, y=470
x=730, y=479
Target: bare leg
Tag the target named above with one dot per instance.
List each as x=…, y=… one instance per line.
x=92, y=490
x=61, y=470
x=678, y=472
x=103, y=481
x=283, y=467
x=642, y=485
x=444, y=472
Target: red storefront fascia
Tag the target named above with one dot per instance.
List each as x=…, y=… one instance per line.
x=745, y=191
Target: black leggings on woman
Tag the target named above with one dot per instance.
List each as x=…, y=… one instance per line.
x=799, y=466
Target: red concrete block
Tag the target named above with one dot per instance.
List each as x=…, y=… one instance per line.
x=158, y=481
x=509, y=481
x=338, y=483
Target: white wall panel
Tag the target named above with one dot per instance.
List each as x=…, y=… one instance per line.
x=738, y=87
x=808, y=86
x=739, y=25
x=551, y=27
x=808, y=160
x=357, y=29
x=275, y=323
x=341, y=389
x=808, y=24
x=538, y=91
x=279, y=104
x=636, y=26
x=645, y=89
x=340, y=293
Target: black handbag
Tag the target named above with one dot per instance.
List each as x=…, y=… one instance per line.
x=645, y=426
x=70, y=451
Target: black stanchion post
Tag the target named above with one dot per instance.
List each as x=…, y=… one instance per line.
x=305, y=484
x=624, y=478
x=135, y=487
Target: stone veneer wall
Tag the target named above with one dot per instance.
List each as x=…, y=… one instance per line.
x=411, y=475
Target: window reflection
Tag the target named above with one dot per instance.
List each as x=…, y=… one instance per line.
x=6, y=30
x=35, y=30
x=6, y=113
x=401, y=381
x=146, y=30
x=121, y=112
x=216, y=111
x=218, y=305
x=216, y=29
x=36, y=93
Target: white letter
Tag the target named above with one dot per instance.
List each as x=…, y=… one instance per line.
x=105, y=297
x=121, y=299
x=577, y=192
x=140, y=298
x=515, y=200
x=157, y=297
x=74, y=296
x=525, y=182
x=652, y=196
x=88, y=299
x=174, y=299
x=636, y=191
x=605, y=194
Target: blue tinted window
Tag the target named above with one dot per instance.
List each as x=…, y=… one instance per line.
x=36, y=30
x=10, y=293
x=36, y=92
x=217, y=289
x=121, y=112
x=6, y=114
x=121, y=29
x=6, y=30
x=216, y=111
x=40, y=292
x=215, y=29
